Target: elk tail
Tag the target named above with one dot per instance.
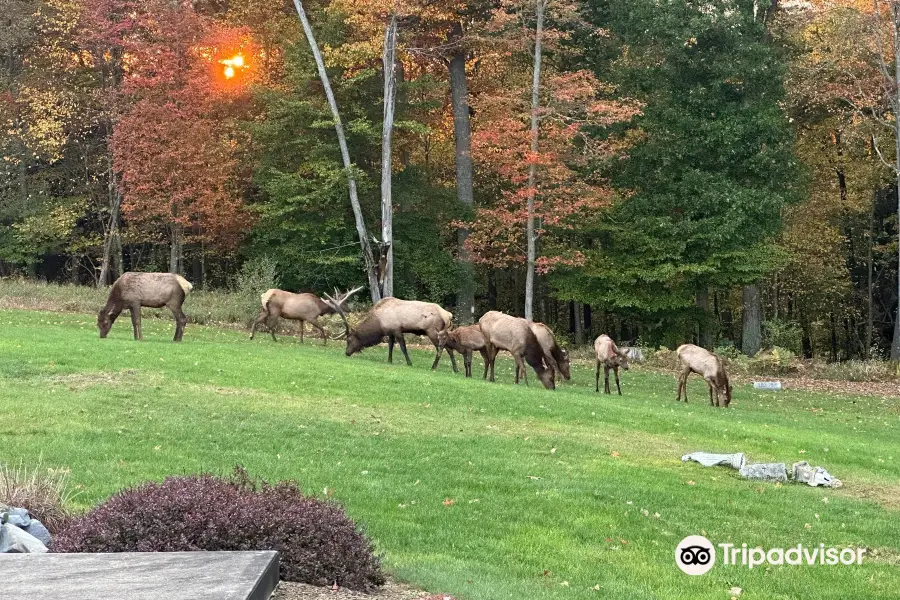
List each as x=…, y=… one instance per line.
x=185, y=284
x=448, y=318
x=264, y=298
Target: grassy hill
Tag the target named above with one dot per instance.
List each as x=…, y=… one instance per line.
x=486, y=491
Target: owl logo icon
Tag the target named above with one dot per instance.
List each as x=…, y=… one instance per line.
x=695, y=555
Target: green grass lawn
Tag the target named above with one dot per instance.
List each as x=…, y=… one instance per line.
x=565, y=494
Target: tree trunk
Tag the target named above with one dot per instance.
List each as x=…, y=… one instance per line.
x=895, y=13
x=108, y=272
x=389, y=59
x=369, y=259
x=870, y=304
x=462, y=138
x=579, y=324
x=703, y=334
x=751, y=341
x=175, y=248
x=532, y=169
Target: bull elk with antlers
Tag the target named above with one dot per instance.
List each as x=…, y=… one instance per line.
x=392, y=318
x=306, y=308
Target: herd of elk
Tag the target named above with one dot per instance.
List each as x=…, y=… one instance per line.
x=529, y=342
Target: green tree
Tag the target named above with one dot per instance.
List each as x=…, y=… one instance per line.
x=711, y=168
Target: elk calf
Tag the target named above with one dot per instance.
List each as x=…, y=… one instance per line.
x=465, y=340
x=503, y=332
x=556, y=359
x=393, y=317
x=610, y=357
x=695, y=359
x=306, y=308
x=153, y=290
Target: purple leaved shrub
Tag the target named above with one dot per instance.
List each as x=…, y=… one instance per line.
x=318, y=542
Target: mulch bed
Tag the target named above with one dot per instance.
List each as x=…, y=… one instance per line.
x=288, y=590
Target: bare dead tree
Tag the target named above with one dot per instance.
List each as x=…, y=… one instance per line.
x=345, y=155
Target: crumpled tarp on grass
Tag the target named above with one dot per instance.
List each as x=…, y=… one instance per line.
x=19, y=533
x=801, y=472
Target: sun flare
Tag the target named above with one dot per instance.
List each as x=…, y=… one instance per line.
x=230, y=64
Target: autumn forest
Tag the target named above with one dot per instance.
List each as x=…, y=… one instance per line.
x=723, y=171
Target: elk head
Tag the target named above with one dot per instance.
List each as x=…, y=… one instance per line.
x=622, y=358
x=105, y=320
x=564, y=365
x=727, y=391
x=339, y=303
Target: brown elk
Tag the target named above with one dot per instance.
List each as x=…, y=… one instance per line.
x=153, y=290
x=465, y=340
x=306, y=308
x=556, y=358
x=695, y=359
x=610, y=357
x=503, y=332
x=393, y=317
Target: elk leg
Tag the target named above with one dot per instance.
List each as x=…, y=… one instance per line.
x=402, y=341
x=467, y=362
x=180, y=322
x=491, y=357
x=520, y=368
x=272, y=321
x=618, y=387
x=597, y=378
x=438, y=350
x=302, y=327
x=485, y=359
x=263, y=316
x=452, y=360
x=136, y=321
x=315, y=325
x=606, y=389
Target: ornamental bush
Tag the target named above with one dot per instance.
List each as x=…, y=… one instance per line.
x=318, y=542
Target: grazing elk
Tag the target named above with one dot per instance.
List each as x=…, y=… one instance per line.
x=153, y=290
x=556, y=358
x=503, y=332
x=306, y=308
x=393, y=317
x=465, y=340
x=695, y=359
x=610, y=357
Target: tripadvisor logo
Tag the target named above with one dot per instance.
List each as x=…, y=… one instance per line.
x=696, y=555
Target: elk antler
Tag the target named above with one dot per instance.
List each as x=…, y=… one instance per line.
x=336, y=305
x=346, y=295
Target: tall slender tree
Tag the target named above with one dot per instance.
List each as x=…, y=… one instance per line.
x=368, y=257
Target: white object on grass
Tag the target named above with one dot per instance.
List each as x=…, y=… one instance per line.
x=802, y=472
x=767, y=385
x=765, y=472
x=707, y=459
